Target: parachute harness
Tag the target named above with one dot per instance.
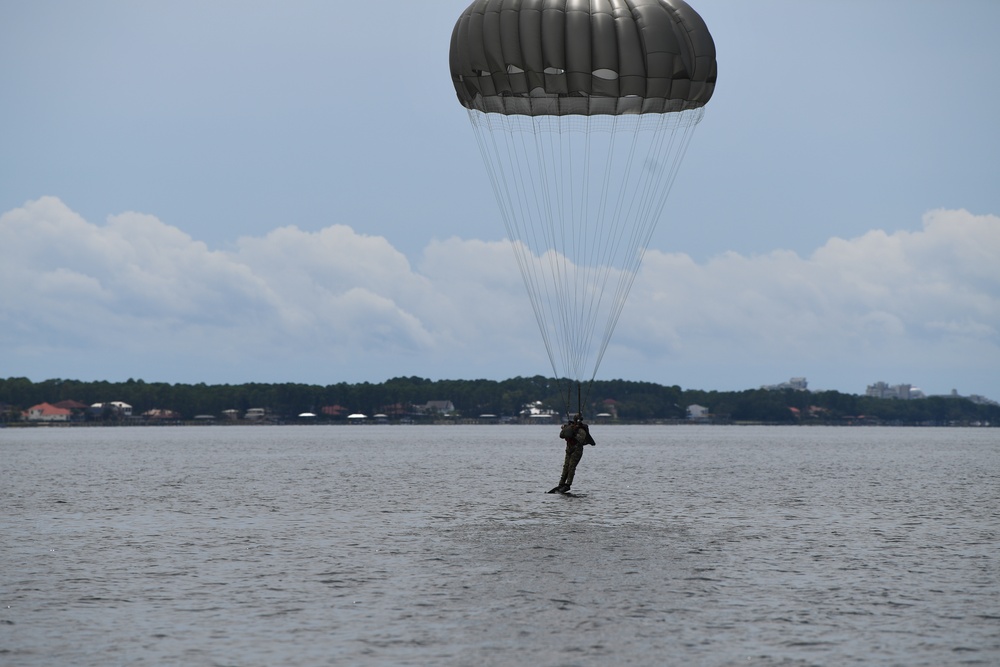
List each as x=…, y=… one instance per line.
x=580, y=197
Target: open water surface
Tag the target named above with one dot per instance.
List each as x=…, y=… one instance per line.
x=420, y=545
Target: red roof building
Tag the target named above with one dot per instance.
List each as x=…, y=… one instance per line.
x=45, y=412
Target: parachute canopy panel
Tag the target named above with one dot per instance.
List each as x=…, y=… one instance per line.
x=582, y=57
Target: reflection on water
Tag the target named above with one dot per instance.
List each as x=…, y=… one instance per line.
x=437, y=545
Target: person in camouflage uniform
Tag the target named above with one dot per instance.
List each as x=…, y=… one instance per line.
x=576, y=434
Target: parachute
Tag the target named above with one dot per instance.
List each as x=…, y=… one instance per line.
x=582, y=110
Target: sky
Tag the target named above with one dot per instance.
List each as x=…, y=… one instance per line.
x=263, y=191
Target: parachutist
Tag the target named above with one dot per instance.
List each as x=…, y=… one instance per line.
x=576, y=433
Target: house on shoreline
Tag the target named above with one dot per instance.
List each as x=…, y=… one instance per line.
x=46, y=412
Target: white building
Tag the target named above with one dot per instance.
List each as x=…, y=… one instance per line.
x=436, y=408
x=696, y=412
x=119, y=408
x=536, y=410
x=900, y=391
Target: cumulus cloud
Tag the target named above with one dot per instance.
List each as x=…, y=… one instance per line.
x=135, y=290
x=137, y=297
x=902, y=300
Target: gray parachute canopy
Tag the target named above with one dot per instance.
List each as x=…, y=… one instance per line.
x=586, y=57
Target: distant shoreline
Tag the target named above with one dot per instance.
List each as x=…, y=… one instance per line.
x=473, y=422
x=415, y=400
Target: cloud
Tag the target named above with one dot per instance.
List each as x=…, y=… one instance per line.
x=135, y=289
x=904, y=299
x=138, y=297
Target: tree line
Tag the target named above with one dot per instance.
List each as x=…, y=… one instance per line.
x=625, y=401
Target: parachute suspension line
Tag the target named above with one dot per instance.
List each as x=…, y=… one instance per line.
x=569, y=241
x=579, y=397
x=597, y=250
x=592, y=244
x=556, y=255
x=580, y=199
x=646, y=215
x=538, y=234
x=687, y=127
x=576, y=194
x=571, y=254
x=581, y=239
x=568, y=169
x=557, y=159
x=612, y=231
x=684, y=123
x=503, y=191
x=633, y=219
x=543, y=236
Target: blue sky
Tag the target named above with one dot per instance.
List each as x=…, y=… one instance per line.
x=265, y=191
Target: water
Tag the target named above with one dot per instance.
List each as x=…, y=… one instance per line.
x=394, y=545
